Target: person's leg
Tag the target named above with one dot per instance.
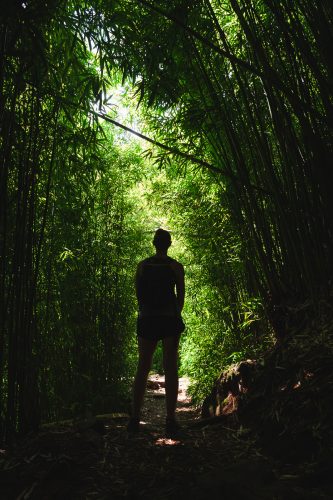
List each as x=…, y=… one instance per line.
x=146, y=351
x=170, y=365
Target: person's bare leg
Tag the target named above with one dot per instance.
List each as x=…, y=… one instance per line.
x=170, y=365
x=146, y=351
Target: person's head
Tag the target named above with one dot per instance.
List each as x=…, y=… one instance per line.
x=162, y=240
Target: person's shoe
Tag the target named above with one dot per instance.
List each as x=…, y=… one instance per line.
x=133, y=425
x=172, y=428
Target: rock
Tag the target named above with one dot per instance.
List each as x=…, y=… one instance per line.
x=236, y=380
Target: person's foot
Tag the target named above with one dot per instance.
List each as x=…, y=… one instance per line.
x=133, y=425
x=172, y=428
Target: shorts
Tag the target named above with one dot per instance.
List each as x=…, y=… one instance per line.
x=159, y=327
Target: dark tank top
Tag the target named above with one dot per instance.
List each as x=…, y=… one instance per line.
x=156, y=288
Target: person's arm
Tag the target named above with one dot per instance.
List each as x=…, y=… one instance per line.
x=180, y=285
x=137, y=279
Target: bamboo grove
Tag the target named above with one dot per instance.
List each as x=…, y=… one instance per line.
x=248, y=86
x=243, y=87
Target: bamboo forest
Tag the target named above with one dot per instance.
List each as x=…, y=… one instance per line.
x=213, y=121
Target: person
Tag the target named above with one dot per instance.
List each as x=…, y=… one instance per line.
x=160, y=290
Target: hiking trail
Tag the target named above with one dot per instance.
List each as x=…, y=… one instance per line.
x=100, y=460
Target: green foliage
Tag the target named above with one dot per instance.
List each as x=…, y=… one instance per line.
x=87, y=302
x=240, y=87
x=223, y=322
x=69, y=234
x=235, y=97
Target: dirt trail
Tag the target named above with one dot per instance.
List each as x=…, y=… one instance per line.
x=102, y=461
x=153, y=414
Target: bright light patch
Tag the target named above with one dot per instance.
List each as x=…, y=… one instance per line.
x=167, y=442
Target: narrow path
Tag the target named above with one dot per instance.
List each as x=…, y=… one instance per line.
x=153, y=414
x=102, y=461
x=150, y=466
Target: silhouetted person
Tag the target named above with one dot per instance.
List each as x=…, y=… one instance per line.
x=160, y=292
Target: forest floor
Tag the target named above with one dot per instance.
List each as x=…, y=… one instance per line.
x=102, y=461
